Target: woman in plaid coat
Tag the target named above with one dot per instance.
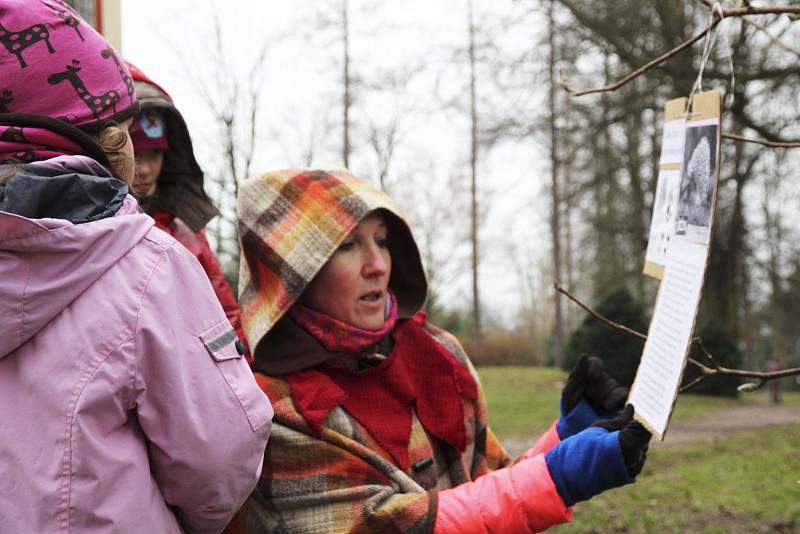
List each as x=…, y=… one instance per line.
x=380, y=421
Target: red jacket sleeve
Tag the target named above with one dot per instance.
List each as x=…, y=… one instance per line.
x=520, y=498
x=546, y=441
x=197, y=244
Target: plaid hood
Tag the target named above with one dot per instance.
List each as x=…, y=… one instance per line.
x=291, y=222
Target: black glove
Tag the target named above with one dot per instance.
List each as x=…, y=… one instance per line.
x=633, y=439
x=589, y=380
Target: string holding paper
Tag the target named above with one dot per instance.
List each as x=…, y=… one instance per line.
x=708, y=45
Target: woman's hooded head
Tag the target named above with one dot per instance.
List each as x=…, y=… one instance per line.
x=290, y=224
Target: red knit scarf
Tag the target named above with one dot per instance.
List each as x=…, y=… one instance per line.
x=420, y=374
x=338, y=336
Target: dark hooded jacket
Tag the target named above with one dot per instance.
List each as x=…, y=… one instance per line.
x=180, y=205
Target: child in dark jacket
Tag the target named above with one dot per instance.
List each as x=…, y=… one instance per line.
x=169, y=184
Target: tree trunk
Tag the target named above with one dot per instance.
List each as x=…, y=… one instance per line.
x=346, y=101
x=555, y=215
x=638, y=226
x=476, y=307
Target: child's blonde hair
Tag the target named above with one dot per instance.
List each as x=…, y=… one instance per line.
x=112, y=140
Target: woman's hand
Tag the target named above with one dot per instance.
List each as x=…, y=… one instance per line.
x=606, y=455
x=589, y=380
x=590, y=393
x=634, y=439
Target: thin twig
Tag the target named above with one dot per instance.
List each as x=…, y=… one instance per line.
x=692, y=384
x=705, y=371
x=743, y=11
x=602, y=318
x=641, y=70
x=773, y=144
x=726, y=13
x=771, y=37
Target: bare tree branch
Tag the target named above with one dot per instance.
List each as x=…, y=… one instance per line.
x=597, y=315
x=747, y=9
x=641, y=70
x=771, y=37
x=761, y=377
x=741, y=11
x=773, y=144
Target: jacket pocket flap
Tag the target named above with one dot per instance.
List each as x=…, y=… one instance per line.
x=221, y=342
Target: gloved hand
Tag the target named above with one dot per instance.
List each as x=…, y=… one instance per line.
x=598, y=459
x=634, y=439
x=590, y=393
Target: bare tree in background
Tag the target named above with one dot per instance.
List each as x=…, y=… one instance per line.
x=303, y=136
x=555, y=193
x=383, y=143
x=332, y=23
x=234, y=103
x=432, y=209
x=384, y=129
x=346, y=84
x=473, y=165
x=470, y=63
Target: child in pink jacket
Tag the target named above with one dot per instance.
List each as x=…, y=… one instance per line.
x=126, y=403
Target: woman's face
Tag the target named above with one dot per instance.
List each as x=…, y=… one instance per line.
x=148, y=169
x=352, y=285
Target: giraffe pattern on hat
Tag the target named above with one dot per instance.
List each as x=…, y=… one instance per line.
x=43, y=44
x=109, y=53
x=5, y=99
x=96, y=103
x=17, y=42
x=65, y=13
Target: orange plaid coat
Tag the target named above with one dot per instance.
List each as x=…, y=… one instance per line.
x=345, y=482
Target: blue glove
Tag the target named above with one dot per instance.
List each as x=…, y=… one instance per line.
x=579, y=418
x=598, y=459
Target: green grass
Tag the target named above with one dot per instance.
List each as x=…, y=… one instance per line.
x=523, y=401
x=748, y=483
x=692, y=405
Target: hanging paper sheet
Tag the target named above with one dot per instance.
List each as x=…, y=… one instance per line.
x=658, y=378
x=665, y=205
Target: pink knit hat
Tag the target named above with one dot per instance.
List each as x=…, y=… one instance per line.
x=54, y=65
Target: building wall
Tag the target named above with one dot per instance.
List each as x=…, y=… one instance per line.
x=112, y=23
x=104, y=15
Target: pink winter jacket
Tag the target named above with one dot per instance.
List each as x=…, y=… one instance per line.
x=124, y=403
x=521, y=498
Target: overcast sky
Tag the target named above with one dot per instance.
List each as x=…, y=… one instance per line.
x=166, y=38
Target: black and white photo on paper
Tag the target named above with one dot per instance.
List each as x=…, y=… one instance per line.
x=665, y=207
x=698, y=182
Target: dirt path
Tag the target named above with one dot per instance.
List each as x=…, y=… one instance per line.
x=714, y=425
x=705, y=428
